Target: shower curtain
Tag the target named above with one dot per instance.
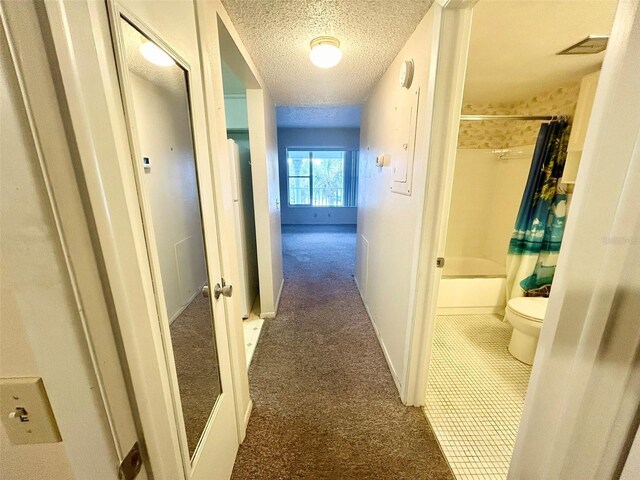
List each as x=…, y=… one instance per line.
x=535, y=242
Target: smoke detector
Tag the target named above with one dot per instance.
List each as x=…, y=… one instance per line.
x=589, y=45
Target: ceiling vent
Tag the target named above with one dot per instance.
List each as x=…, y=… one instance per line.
x=591, y=44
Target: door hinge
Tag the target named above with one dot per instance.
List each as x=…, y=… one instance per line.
x=131, y=465
x=440, y=262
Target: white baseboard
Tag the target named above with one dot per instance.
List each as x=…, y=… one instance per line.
x=182, y=309
x=247, y=415
x=278, y=298
x=270, y=315
x=394, y=375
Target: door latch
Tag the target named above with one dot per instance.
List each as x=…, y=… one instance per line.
x=440, y=262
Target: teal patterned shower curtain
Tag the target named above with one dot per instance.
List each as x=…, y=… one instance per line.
x=536, y=239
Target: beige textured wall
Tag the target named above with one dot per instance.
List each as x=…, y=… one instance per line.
x=512, y=133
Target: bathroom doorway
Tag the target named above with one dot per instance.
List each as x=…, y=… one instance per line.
x=519, y=85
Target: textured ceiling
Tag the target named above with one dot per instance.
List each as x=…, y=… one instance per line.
x=277, y=34
x=512, y=54
x=347, y=116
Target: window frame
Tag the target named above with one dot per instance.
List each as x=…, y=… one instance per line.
x=351, y=152
x=289, y=176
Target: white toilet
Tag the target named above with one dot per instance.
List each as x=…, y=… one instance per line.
x=526, y=315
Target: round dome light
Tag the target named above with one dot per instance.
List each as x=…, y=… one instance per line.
x=325, y=52
x=156, y=55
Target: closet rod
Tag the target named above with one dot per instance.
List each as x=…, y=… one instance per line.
x=510, y=117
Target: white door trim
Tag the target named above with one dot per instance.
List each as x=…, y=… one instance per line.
x=569, y=377
x=449, y=64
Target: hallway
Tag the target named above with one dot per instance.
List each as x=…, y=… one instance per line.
x=325, y=405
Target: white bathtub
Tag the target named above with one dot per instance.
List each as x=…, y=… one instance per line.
x=472, y=285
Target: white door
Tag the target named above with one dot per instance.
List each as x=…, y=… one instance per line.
x=161, y=87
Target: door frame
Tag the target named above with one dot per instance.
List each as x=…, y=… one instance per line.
x=82, y=51
x=433, y=231
x=208, y=13
x=217, y=33
x=442, y=134
x=435, y=207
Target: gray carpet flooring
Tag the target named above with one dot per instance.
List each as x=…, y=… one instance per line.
x=196, y=366
x=325, y=405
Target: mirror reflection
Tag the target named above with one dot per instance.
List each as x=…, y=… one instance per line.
x=159, y=93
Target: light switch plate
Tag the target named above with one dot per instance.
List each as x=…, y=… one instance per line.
x=26, y=412
x=382, y=160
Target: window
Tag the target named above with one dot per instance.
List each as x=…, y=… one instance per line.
x=299, y=165
x=322, y=178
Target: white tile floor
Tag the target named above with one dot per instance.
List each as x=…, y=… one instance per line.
x=251, y=327
x=475, y=394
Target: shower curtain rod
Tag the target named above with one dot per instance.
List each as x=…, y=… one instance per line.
x=510, y=117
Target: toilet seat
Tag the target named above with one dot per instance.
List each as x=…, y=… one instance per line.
x=530, y=308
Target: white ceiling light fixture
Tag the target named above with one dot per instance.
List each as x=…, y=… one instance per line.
x=325, y=52
x=155, y=54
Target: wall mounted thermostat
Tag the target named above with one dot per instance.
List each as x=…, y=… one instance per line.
x=406, y=73
x=146, y=163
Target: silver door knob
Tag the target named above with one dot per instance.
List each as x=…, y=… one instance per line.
x=225, y=290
